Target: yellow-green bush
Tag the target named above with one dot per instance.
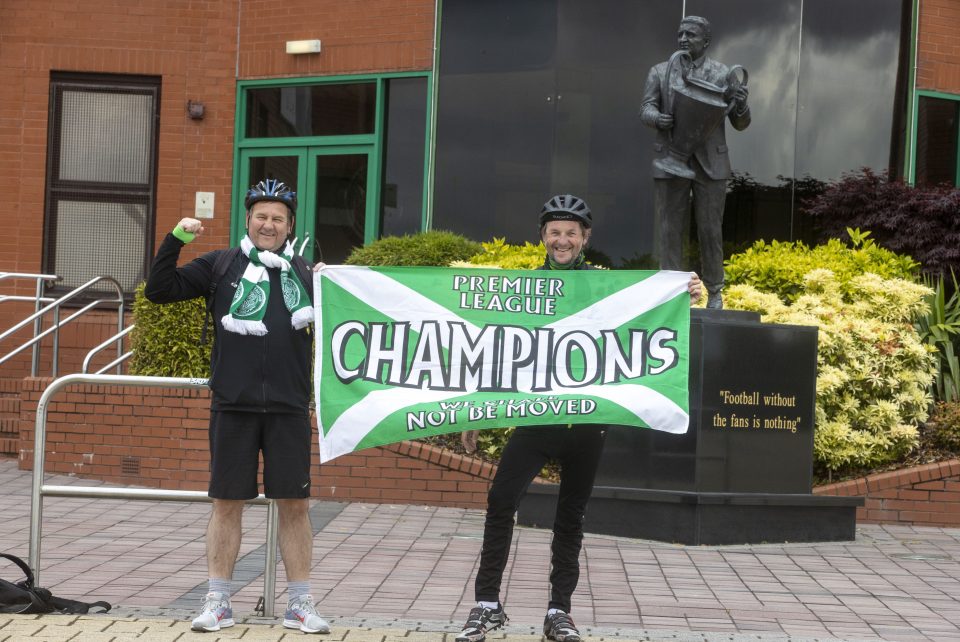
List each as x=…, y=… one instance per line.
x=874, y=371
x=499, y=253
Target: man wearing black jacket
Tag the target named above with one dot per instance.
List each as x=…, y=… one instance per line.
x=260, y=380
x=565, y=226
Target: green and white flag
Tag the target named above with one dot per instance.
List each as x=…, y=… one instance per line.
x=404, y=353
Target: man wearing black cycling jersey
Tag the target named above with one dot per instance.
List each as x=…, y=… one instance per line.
x=565, y=227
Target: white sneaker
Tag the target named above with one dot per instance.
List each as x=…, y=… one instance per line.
x=302, y=614
x=215, y=614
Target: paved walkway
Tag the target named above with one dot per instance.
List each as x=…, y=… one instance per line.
x=385, y=572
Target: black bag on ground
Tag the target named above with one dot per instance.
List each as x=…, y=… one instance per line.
x=24, y=597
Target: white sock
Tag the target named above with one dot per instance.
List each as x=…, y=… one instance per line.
x=296, y=589
x=553, y=611
x=220, y=585
x=493, y=606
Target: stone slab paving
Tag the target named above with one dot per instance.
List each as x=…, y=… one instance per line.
x=385, y=572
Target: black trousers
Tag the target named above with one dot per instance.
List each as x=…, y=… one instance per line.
x=578, y=450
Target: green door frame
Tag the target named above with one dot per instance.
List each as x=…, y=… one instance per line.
x=308, y=147
x=306, y=180
x=926, y=93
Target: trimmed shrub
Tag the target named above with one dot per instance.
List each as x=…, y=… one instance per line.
x=434, y=248
x=874, y=372
x=166, y=339
x=921, y=221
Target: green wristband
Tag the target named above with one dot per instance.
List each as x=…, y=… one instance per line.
x=183, y=235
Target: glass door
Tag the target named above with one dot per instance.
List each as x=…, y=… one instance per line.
x=342, y=199
x=336, y=195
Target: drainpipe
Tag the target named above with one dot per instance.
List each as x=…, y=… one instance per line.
x=911, y=168
x=432, y=126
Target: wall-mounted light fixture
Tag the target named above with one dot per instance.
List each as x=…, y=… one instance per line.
x=303, y=46
x=195, y=109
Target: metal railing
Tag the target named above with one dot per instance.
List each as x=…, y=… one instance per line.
x=85, y=369
x=54, y=329
x=37, y=299
x=40, y=490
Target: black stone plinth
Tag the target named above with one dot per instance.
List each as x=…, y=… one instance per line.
x=703, y=518
x=742, y=473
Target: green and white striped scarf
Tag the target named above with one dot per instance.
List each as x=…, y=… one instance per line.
x=250, y=300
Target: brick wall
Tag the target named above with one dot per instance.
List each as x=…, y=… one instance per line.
x=357, y=37
x=190, y=44
x=199, y=48
x=938, y=54
x=157, y=437
x=927, y=495
x=10, y=416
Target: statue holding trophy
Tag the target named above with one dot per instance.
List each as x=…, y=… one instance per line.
x=686, y=99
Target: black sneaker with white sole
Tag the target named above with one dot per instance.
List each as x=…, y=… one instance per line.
x=480, y=622
x=560, y=627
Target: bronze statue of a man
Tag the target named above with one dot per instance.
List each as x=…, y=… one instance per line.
x=707, y=169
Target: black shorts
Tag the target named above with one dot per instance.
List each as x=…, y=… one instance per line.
x=236, y=439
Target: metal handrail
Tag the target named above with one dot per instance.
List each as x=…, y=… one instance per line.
x=57, y=323
x=39, y=489
x=118, y=337
x=37, y=299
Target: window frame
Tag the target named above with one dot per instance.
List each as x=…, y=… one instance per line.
x=927, y=93
x=373, y=143
x=56, y=189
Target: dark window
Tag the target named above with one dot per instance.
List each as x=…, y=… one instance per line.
x=313, y=110
x=401, y=196
x=283, y=168
x=341, y=205
x=937, y=140
x=101, y=178
x=552, y=108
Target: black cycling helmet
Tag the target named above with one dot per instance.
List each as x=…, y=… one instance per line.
x=566, y=207
x=270, y=189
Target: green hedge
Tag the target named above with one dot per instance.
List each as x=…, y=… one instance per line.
x=429, y=248
x=166, y=339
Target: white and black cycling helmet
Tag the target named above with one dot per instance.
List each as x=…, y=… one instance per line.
x=270, y=189
x=566, y=207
